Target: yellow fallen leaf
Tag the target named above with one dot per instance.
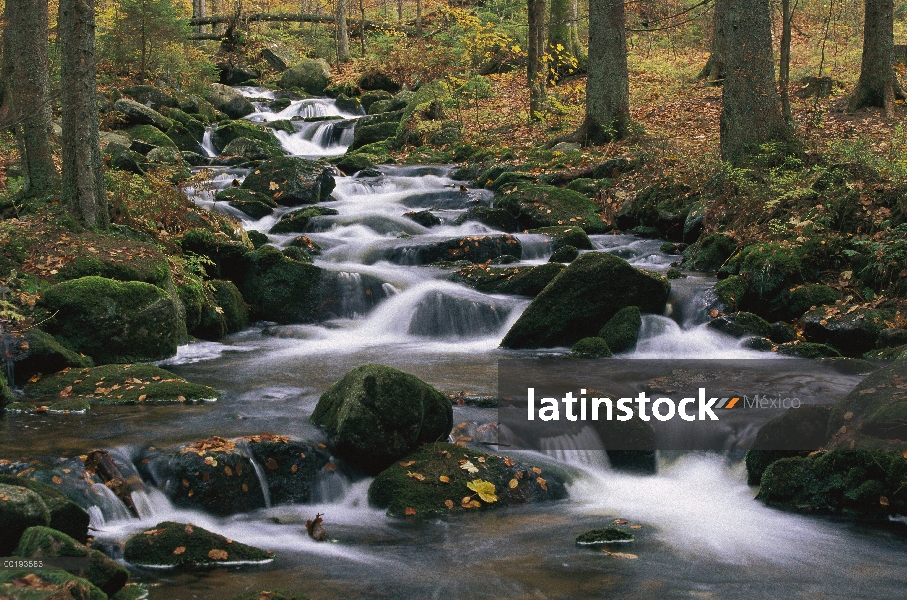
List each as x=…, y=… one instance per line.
x=536, y=470
x=444, y=479
x=542, y=483
x=620, y=521
x=408, y=463
x=417, y=476
x=513, y=483
x=179, y=550
x=485, y=490
x=449, y=504
x=216, y=554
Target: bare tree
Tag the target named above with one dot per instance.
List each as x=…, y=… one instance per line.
x=343, y=35
x=83, y=178
x=713, y=70
x=535, y=67
x=878, y=85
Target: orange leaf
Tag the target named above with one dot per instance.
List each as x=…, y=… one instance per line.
x=216, y=554
x=188, y=529
x=408, y=463
x=271, y=464
x=444, y=479
x=513, y=483
x=542, y=483
x=536, y=470
x=449, y=504
x=56, y=479
x=883, y=501
x=410, y=511
x=620, y=521
x=179, y=550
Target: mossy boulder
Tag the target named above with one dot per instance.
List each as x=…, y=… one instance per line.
x=367, y=99
x=139, y=114
x=230, y=257
x=374, y=79
x=251, y=149
x=149, y=95
x=852, y=482
x=199, y=108
x=225, y=133
x=604, y=536
x=371, y=133
x=165, y=156
x=622, y=330
x=65, y=515
x=46, y=355
x=298, y=220
x=119, y=384
x=294, y=470
x=257, y=238
x=425, y=218
x=795, y=433
x=113, y=321
x=566, y=236
x=414, y=486
x=770, y=268
x=877, y=407
x=311, y=75
x=292, y=181
x=223, y=311
x=564, y=254
x=474, y=248
x=187, y=138
x=709, y=253
x=808, y=350
x=146, y=138
x=852, y=332
x=376, y=414
x=522, y=281
x=536, y=206
x=281, y=289
x=46, y=584
x=741, y=324
x=143, y=262
x=589, y=187
x=20, y=508
x=353, y=163
x=171, y=544
x=731, y=291
x=103, y=572
x=591, y=347
x=254, y=204
x=229, y=101
x=582, y=298
x=498, y=218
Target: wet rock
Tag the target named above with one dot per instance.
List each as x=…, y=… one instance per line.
x=118, y=384
x=281, y=289
x=564, y=254
x=781, y=333
x=731, y=291
x=376, y=414
x=580, y=300
x=591, y=347
x=852, y=333
x=535, y=206
x=889, y=338
x=369, y=98
x=424, y=218
x=566, y=236
x=112, y=321
x=622, y=330
x=150, y=96
x=298, y=220
x=224, y=313
x=171, y=544
x=348, y=104
x=65, y=516
x=795, y=433
x=139, y=114
x=851, y=482
x=769, y=268
x=478, y=249
x=201, y=108
x=46, y=584
x=345, y=294
x=741, y=324
x=670, y=225
x=44, y=354
x=374, y=132
x=146, y=138
x=254, y=204
x=251, y=149
x=612, y=167
x=234, y=130
x=294, y=471
x=292, y=181
x=589, y=187
x=498, y=218
x=311, y=75
x=353, y=163
x=761, y=344
x=794, y=303
x=231, y=74
x=230, y=257
x=257, y=238
x=165, y=156
x=602, y=537
x=414, y=486
x=523, y=281
x=709, y=253
x=128, y=160
x=229, y=101
x=877, y=407
x=187, y=139
x=808, y=350
x=308, y=245
x=692, y=225
x=43, y=542
x=20, y=508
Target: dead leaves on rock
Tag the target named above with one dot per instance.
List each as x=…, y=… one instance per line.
x=214, y=444
x=216, y=554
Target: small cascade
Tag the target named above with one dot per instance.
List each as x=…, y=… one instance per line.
x=107, y=508
x=208, y=144
x=442, y=315
x=259, y=471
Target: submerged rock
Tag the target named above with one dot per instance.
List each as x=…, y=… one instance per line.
x=376, y=414
x=103, y=572
x=602, y=537
x=523, y=281
x=171, y=544
x=581, y=299
x=281, y=289
x=45, y=355
x=441, y=478
x=591, y=347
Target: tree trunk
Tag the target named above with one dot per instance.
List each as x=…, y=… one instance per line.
x=784, y=65
x=83, y=179
x=563, y=32
x=362, y=26
x=750, y=113
x=535, y=68
x=399, y=10
x=714, y=68
x=608, y=81
x=418, y=18
x=878, y=85
x=199, y=10
x=27, y=93
x=343, y=35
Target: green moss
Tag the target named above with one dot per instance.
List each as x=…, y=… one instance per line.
x=71, y=405
x=566, y=236
x=233, y=308
x=878, y=404
x=281, y=289
x=257, y=238
x=582, y=298
x=589, y=187
x=803, y=428
x=376, y=414
x=770, y=267
x=192, y=295
x=187, y=137
x=353, y=163
x=377, y=132
x=808, y=350
x=522, y=281
x=120, y=384
x=231, y=130
x=112, y=321
x=149, y=266
x=622, y=330
x=604, y=536
x=230, y=257
x=742, y=324
x=731, y=291
x=852, y=332
x=251, y=149
x=709, y=253
x=132, y=591
x=103, y=572
x=298, y=220
x=591, y=347
x=20, y=509
x=151, y=135
x=157, y=547
x=50, y=585
x=536, y=206
x=396, y=490
x=6, y=395
x=793, y=303
x=291, y=181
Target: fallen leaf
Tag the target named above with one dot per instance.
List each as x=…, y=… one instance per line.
x=542, y=483
x=216, y=554
x=469, y=467
x=508, y=462
x=536, y=470
x=513, y=483
x=625, y=555
x=620, y=521
x=418, y=476
x=188, y=529
x=228, y=471
x=410, y=511
x=449, y=504
x=444, y=479
x=5, y=498
x=294, y=468
x=635, y=526
x=408, y=463
x=271, y=464
x=485, y=490
x=179, y=550
x=142, y=397
x=883, y=501
x=56, y=479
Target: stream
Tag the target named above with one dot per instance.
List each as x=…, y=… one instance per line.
x=703, y=534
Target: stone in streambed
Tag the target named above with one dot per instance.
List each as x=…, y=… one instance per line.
x=292, y=181
x=298, y=220
x=523, y=281
x=602, y=537
x=171, y=544
x=65, y=515
x=46, y=583
x=20, y=508
x=621, y=332
x=377, y=414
